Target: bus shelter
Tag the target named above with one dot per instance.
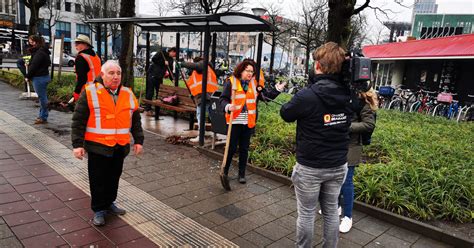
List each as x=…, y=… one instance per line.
x=207, y=24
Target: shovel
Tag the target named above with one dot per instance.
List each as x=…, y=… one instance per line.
x=224, y=178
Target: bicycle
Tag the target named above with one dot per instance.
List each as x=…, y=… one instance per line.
x=447, y=107
x=467, y=112
x=425, y=105
x=385, y=94
x=401, y=101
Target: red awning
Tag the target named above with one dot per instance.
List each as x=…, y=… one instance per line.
x=452, y=47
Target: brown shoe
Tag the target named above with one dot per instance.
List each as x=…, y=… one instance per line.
x=40, y=121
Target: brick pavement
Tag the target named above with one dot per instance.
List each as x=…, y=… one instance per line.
x=260, y=213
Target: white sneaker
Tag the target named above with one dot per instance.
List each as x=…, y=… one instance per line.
x=339, y=211
x=194, y=140
x=346, y=225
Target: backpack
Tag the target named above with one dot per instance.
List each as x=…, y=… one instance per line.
x=365, y=138
x=171, y=100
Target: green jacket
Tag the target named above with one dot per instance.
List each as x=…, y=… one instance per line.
x=79, y=124
x=361, y=123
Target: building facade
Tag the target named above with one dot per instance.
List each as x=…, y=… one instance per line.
x=426, y=26
x=424, y=7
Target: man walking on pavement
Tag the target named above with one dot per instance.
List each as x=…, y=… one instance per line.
x=162, y=63
x=87, y=64
x=105, y=115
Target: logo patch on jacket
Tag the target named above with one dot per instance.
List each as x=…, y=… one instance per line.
x=334, y=119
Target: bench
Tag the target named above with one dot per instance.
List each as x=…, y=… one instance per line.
x=186, y=103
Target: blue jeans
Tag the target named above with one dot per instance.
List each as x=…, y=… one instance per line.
x=310, y=185
x=198, y=112
x=40, y=84
x=347, y=193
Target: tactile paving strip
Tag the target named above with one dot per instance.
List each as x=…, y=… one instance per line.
x=154, y=219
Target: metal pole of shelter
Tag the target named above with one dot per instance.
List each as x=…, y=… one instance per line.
x=147, y=52
x=176, y=72
x=202, y=119
x=213, y=52
x=259, y=56
x=99, y=41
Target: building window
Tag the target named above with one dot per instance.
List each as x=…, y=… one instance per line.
x=144, y=36
x=383, y=74
x=67, y=6
x=154, y=37
x=171, y=38
x=63, y=28
x=241, y=48
x=78, y=8
x=82, y=29
x=58, y=5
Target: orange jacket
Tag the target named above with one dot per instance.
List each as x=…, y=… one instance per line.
x=242, y=98
x=94, y=68
x=261, y=80
x=194, y=82
x=109, y=123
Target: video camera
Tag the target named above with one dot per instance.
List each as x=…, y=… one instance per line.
x=356, y=71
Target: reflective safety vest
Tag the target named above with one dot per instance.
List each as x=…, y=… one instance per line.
x=261, y=80
x=109, y=123
x=194, y=82
x=242, y=98
x=94, y=68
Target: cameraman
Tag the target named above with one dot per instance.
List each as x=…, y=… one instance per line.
x=323, y=114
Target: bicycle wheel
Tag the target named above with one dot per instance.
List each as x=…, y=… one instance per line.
x=469, y=114
x=440, y=110
x=415, y=106
x=461, y=114
x=396, y=104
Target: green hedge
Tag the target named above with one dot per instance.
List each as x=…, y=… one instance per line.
x=418, y=166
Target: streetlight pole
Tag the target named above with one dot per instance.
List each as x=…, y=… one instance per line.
x=292, y=44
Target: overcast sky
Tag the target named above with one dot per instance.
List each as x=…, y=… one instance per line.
x=291, y=9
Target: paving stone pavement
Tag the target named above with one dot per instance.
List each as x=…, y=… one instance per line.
x=257, y=214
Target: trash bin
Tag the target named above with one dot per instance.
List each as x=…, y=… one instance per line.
x=218, y=122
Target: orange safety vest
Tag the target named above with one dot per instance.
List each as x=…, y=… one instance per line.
x=109, y=123
x=194, y=82
x=261, y=80
x=94, y=68
x=242, y=98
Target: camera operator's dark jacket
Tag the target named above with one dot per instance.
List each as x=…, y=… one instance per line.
x=323, y=114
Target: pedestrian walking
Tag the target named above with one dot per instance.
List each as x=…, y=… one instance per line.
x=86, y=66
x=322, y=113
x=239, y=99
x=38, y=73
x=105, y=115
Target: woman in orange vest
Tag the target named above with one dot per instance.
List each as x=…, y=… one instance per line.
x=239, y=99
x=194, y=84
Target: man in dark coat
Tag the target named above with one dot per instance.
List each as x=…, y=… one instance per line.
x=162, y=63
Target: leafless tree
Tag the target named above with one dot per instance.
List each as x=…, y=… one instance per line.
x=162, y=8
x=52, y=14
x=127, y=9
x=340, y=16
x=312, y=27
x=279, y=37
x=34, y=6
x=206, y=6
x=95, y=9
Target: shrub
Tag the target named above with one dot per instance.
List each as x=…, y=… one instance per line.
x=417, y=165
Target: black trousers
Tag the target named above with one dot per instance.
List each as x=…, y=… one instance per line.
x=153, y=84
x=104, y=175
x=240, y=135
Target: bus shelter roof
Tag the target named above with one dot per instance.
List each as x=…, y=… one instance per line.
x=222, y=22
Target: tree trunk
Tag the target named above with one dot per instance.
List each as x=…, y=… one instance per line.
x=339, y=21
x=127, y=9
x=306, y=63
x=34, y=18
x=272, y=54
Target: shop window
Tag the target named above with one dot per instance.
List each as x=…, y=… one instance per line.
x=383, y=74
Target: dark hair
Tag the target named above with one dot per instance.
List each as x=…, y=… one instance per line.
x=197, y=59
x=37, y=39
x=173, y=49
x=241, y=67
